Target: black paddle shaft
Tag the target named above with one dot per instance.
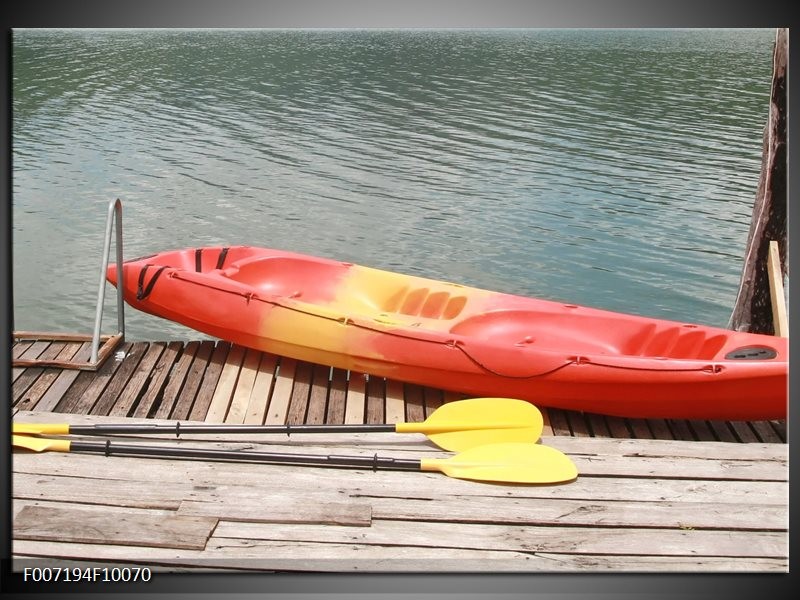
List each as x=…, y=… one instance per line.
x=178, y=428
x=367, y=462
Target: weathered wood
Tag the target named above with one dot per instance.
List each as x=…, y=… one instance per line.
x=259, y=556
x=30, y=375
x=177, y=378
x=194, y=378
x=558, y=422
x=574, y=540
x=262, y=388
x=376, y=400
x=92, y=527
x=780, y=320
x=433, y=400
x=150, y=400
x=337, y=397
x=584, y=513
x=87, y=387
x=226, y=385
x=81, y=489
x=244, y=387
x=298, y=402
x=39, y=387
x=753, y=306
x=119, y=380
x=415, y=403
x=395, y=403
x=279, y=403
x=211, y=376
x=127, y=399
x=63, y=383
x=355, y=401
x=277, y=508
x=318, y=395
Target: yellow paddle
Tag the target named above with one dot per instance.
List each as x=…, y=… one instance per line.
x=454, y=426
x=511, y=462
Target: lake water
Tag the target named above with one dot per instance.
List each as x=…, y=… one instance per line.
x=615, y=169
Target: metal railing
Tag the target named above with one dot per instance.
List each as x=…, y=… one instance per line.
x=114, y=214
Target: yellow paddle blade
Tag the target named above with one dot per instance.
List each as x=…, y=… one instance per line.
x=512, y=462
x=465, y=424
x=37, y=444
x=41, y=428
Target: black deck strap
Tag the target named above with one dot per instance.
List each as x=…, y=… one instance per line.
x=108, y=448
x=143, y=292
x=178, y=429
x=198, y=260
x=288, y=430
x=221, y=259
x=375, y=462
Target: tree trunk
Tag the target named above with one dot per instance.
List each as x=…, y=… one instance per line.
x=753, y=308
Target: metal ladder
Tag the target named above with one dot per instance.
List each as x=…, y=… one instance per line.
x=98, y=353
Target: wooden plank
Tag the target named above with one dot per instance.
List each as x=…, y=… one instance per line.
x=639, y=429
x=81, y=397
x=31, y=374
x=765, y=432
x=743, y=431
x=433, y=399
x=318, y=396
x=93, y=527
x=282, y=393
x=265, y=555
x=780, y=319
x=63, y=382
x=780, y=428
x=298, y=401
x=558, y=421
x=137, y=382
x=618, y=427
x=213, y=371
x=179, y=480
x=262, y=388
x=120, y=379
x=375, y=400
x=597, y=425
x=395, y=403
x=194, y=378
x=722, y=431
x=276, y=508
x=576, y=540
x=660, y=429
x=680, y=429
x=244, y=387
x=547, y=427
x=149, y=402
x=578, y=424
x=355, y=402
x=38, y=389
x=415, y=403
x=32, y=351
x=337, y=397
x=175, y=380
x=221, y=399
x=702, y=431
x=585, y=513
x=81, y=489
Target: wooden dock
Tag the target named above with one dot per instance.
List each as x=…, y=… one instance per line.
x=652, y=495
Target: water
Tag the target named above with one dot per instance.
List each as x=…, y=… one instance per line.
x=614, y=169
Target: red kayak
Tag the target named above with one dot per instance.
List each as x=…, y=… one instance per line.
x=464, y=339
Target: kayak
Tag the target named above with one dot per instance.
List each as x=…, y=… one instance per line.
x=462, y=338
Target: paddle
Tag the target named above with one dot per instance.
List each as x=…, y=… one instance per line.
x=512, y=462
x=454, y=426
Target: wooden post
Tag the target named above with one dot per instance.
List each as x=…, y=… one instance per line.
x=753, y=307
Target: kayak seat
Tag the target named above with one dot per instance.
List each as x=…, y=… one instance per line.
x=425, y=302
x=601, y=335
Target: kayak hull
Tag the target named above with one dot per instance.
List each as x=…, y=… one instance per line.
x=462, y=338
